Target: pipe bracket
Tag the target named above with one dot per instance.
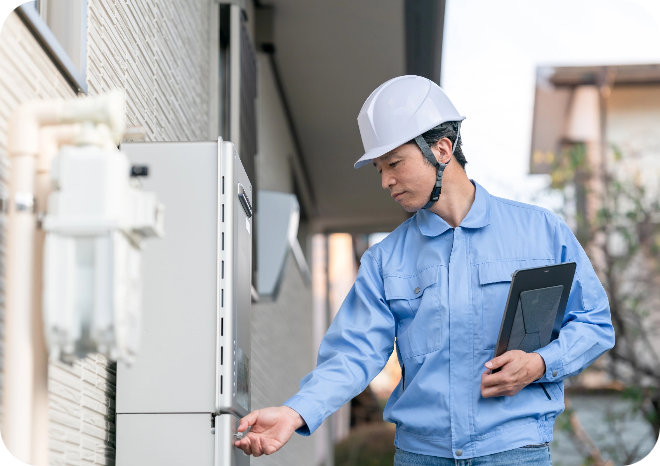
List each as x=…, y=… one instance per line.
x=25, y=202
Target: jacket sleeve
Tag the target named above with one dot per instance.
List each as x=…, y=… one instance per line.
x=587, y=330
x=354, y=350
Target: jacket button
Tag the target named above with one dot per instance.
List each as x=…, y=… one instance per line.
x=459, y=452
x=554, y=373
x=417, y=290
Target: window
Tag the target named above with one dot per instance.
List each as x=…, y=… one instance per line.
x=60, y=26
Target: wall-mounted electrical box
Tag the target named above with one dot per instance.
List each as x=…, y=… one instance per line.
x=98, y=215
x=181, y=402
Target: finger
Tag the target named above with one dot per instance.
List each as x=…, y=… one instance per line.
x=266, y=447
x=492, y=392
x=244, y=444
x=500, y=360
x=255, y=443
x=487, y=387
x=248, y=420
x=492, y=380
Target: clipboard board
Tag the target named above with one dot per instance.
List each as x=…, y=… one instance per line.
x=535, y=307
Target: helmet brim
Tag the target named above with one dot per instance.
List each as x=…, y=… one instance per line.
x=382, y=150
x=375, y=153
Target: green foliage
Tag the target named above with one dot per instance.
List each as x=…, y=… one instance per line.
x=618, y=224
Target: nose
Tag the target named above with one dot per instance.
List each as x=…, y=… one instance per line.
x=386, y=180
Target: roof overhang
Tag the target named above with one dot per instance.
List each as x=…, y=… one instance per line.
x=560, y=99
x=330, y=56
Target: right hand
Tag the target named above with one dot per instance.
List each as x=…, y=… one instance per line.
x=271, y=429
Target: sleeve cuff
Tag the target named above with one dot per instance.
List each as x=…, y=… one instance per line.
x=554, y=370
x=308, y=412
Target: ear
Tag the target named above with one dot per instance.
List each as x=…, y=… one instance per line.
x=442, y=150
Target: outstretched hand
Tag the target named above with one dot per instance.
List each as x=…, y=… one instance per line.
x=519, y=369
x=271, y=429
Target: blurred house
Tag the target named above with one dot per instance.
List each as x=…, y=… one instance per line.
x=601, y=107
x=284, y=82
x=606, y=110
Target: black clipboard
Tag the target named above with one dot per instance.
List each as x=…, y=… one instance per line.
x=535, y=308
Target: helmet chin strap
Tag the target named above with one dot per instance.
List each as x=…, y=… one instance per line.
x=440, y=167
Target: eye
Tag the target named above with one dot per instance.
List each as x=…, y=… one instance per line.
x=394, y=164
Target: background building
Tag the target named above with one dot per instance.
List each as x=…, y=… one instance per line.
x=595, y=133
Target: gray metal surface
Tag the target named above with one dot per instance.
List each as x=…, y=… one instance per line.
x=226, y=425
x=534, y=319
x=194, y=360
x=281, y=213
x=234, y=350
x=165, y=440
x=175, y=368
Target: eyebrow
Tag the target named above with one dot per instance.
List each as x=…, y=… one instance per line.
x=386, y=158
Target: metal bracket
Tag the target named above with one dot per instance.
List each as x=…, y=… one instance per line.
x=245, y=200
x=25, y=202
x=240, y=435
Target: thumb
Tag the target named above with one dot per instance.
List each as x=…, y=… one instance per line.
x=498, y=361
x=248, y=421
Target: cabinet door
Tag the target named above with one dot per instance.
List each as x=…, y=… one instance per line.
x=165, y=439
x=175, y=367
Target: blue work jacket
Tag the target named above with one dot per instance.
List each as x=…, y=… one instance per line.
x=441, y=292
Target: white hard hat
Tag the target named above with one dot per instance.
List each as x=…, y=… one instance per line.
x=400, y=110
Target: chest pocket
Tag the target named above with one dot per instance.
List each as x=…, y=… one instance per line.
x=494, y=282
x=414, y=301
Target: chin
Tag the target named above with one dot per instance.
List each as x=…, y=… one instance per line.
x=411, y=208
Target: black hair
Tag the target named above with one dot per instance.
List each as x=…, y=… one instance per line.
x=448, y=129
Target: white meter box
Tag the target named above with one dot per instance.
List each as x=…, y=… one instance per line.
x=195, y=346
x=97, y=217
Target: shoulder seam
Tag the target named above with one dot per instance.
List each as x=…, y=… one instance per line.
x=380, y=268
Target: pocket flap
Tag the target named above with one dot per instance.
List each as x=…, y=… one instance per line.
x=410, y=287
x=501, y=271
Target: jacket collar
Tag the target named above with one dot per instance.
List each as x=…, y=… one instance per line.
x=431, y=224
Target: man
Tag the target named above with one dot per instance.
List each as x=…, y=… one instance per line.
x=439, y=284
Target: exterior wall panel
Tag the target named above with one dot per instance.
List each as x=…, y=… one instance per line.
x=157, y=51
x=282, y=341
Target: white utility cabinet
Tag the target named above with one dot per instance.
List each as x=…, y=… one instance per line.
x=182, y=399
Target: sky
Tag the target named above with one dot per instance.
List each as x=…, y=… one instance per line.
x=491, y=51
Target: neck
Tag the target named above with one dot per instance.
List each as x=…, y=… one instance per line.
x=456, y=197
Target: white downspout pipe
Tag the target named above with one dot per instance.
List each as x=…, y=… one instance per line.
x=23, y=147
x=21, y=222
x=50, y=140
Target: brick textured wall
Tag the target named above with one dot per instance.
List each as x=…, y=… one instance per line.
x=282, y=341
x=157, y=51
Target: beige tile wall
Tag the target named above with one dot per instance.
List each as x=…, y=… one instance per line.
x=157, y=51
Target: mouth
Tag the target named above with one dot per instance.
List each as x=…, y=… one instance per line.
x=397, y=196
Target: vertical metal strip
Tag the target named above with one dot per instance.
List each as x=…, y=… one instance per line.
x=220, y=217
x=235, y=76
x=225, y=258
